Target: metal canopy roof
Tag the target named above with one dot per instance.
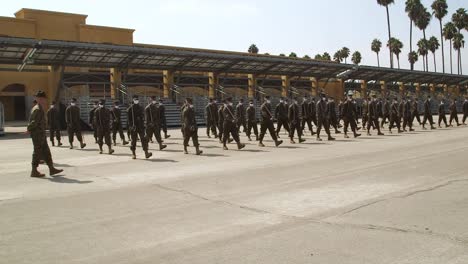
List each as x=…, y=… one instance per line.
x=22, y=51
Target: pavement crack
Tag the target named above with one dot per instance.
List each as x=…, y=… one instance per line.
x=431, y=188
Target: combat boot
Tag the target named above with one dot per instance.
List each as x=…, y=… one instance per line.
x=278, y=142
x=71, y=145
x=381, y=134
x=133, y=155
x=100, y=149
x=124, y=142
x=256, y=138
x=198, y=151
x=292, y=141
x=346, y=136
x=162, y=146
x=319, y=139
x=185, y=150
x=59, y=143
x=111, y=151
x=301, y=140
x=53, y=170
x=148, y=154
x=208, y=136
x=356, y=135
x=260, y=144
x=115, y=144
x=249, y=138
x=330, y=138
x=225, y=147
x=167, y=136
x=53, y=143
x=230, y=140
x=82, y=145
x=240, y=146
x=35, y=173
x=337, y=132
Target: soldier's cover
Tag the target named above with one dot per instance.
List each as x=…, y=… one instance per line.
x=137, y=127
x=428, y=113
x=267, y=123
x=102, y=117
x=252, y=121
x=190, y=126
x=230, y=125
x=295, y=121
x=117, y=124
x=349, y=116
x=72, y=118
x=465, y=110
x=162, y=114
x=153, y=122
x=322, y=117
x=211, y=114
x=281, y=114
x=53, y=118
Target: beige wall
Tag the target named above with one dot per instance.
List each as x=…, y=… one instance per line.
x=97, y=34
x=12, y=27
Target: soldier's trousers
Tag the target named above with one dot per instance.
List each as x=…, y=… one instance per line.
x=267, y=125
x=117, y=127
x=453, y=117
x=334, y=122
x=241, y=122
x=295, y=126
x=153, y=129
x=307, y=121
x=394, y=122
x=95, y=133
x=373, y=122
x=103, y=136
x=282, y=122
x=211, y=125
x=252, y=125
x=407, y=122
x=191, y=134
x=442, y=118
x=55, y=133
x=349, y=122
x=426, y=118
x=220, y=129
x=415, y=116
x=464, y=118
x=384, y=119
x=72, y=132
x=164, y=126
x=323, y=123
x=134, y=134
x=41, y=150
x=364, y=119
x=230, y=128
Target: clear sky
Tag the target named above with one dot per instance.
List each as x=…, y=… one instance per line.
x=303, y=26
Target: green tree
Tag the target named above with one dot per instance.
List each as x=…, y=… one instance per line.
x=449, y=32
x=326, y=56
x=413, y=8
x=460, y=19
x=292, y=55
x=337, y=56
x=423, y=48
x=434, y=45
x=253, y=49
x=412, y=58
x=267, y=53
x=395, y=45
x=356, y=58
x=376, y=46
x=345, y=54
x=307, y=57
x=318, y=57
x=422, y=23
x=386, y=3
x=458, y=44
x=439, y=8
x=282, y=55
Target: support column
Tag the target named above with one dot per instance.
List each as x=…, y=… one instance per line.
x=168, y=81
x=285, y=84
x=115, y=82
x=252, y=82
x=363, y=89
x=402, y=89
x=212, y=84
x=315, y=86
x=418, y=89
x=383, y=88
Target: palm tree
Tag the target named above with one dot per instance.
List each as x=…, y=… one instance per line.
x=433, y=46
x=337, y=56
x=413, y=8
x=345, y=53
x=449, y=31
x=386, y=3
x=292, y=55
x=395, y=45
x=356, y=58
x=412, y=58
x=376, y=46
x=267, y=53
x=318, y=57
x=306, y=57
x=326, y=56
x=458, y=43
x=423, y=50
x=282, y=55
x=253, y=49
x=460, y=19
x=440, y=11
x=422, y=22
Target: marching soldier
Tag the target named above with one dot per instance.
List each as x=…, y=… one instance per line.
x=221, y=121
x=281, y=114
x=102, y=117
x=36, y=128
x=211, y=113
x=137, y=127
x=117, y=124
x=465, y=110
x=230, y=125
x=407, y=115
x=428, y=113
x=92, y=122
x=182, y=107
x=415, y=111
x=295, y=122
x=385, y=112
x=322, y=117
x=190, y=126
x=373, y=116
x=394, y=117
x=340, y=112
x=454, y=112
x=333, y=121
x=379, y=107
x=348, y=114
x=442, y=113
x=153, y=121
x=162, y=115
x=240, y=115
x=365, y=107
x=251, y=121
x=313, y=112
x=305, y=113
x=72, y=118
x=53, y=118
x=267, y=123
x=401, y=113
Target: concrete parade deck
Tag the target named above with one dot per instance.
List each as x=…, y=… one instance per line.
x=399, y=198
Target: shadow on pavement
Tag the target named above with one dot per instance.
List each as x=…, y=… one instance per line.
x=61, y=179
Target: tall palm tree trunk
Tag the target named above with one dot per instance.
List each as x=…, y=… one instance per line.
x=411, y=40
x=451, y=58
x=398, y=60
x=458, y=61
x=424, y=63
x=435, y=66
x=442, y=42
x=389, y=36
x=378, y=60
x=460, y=58
x=427, y=63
